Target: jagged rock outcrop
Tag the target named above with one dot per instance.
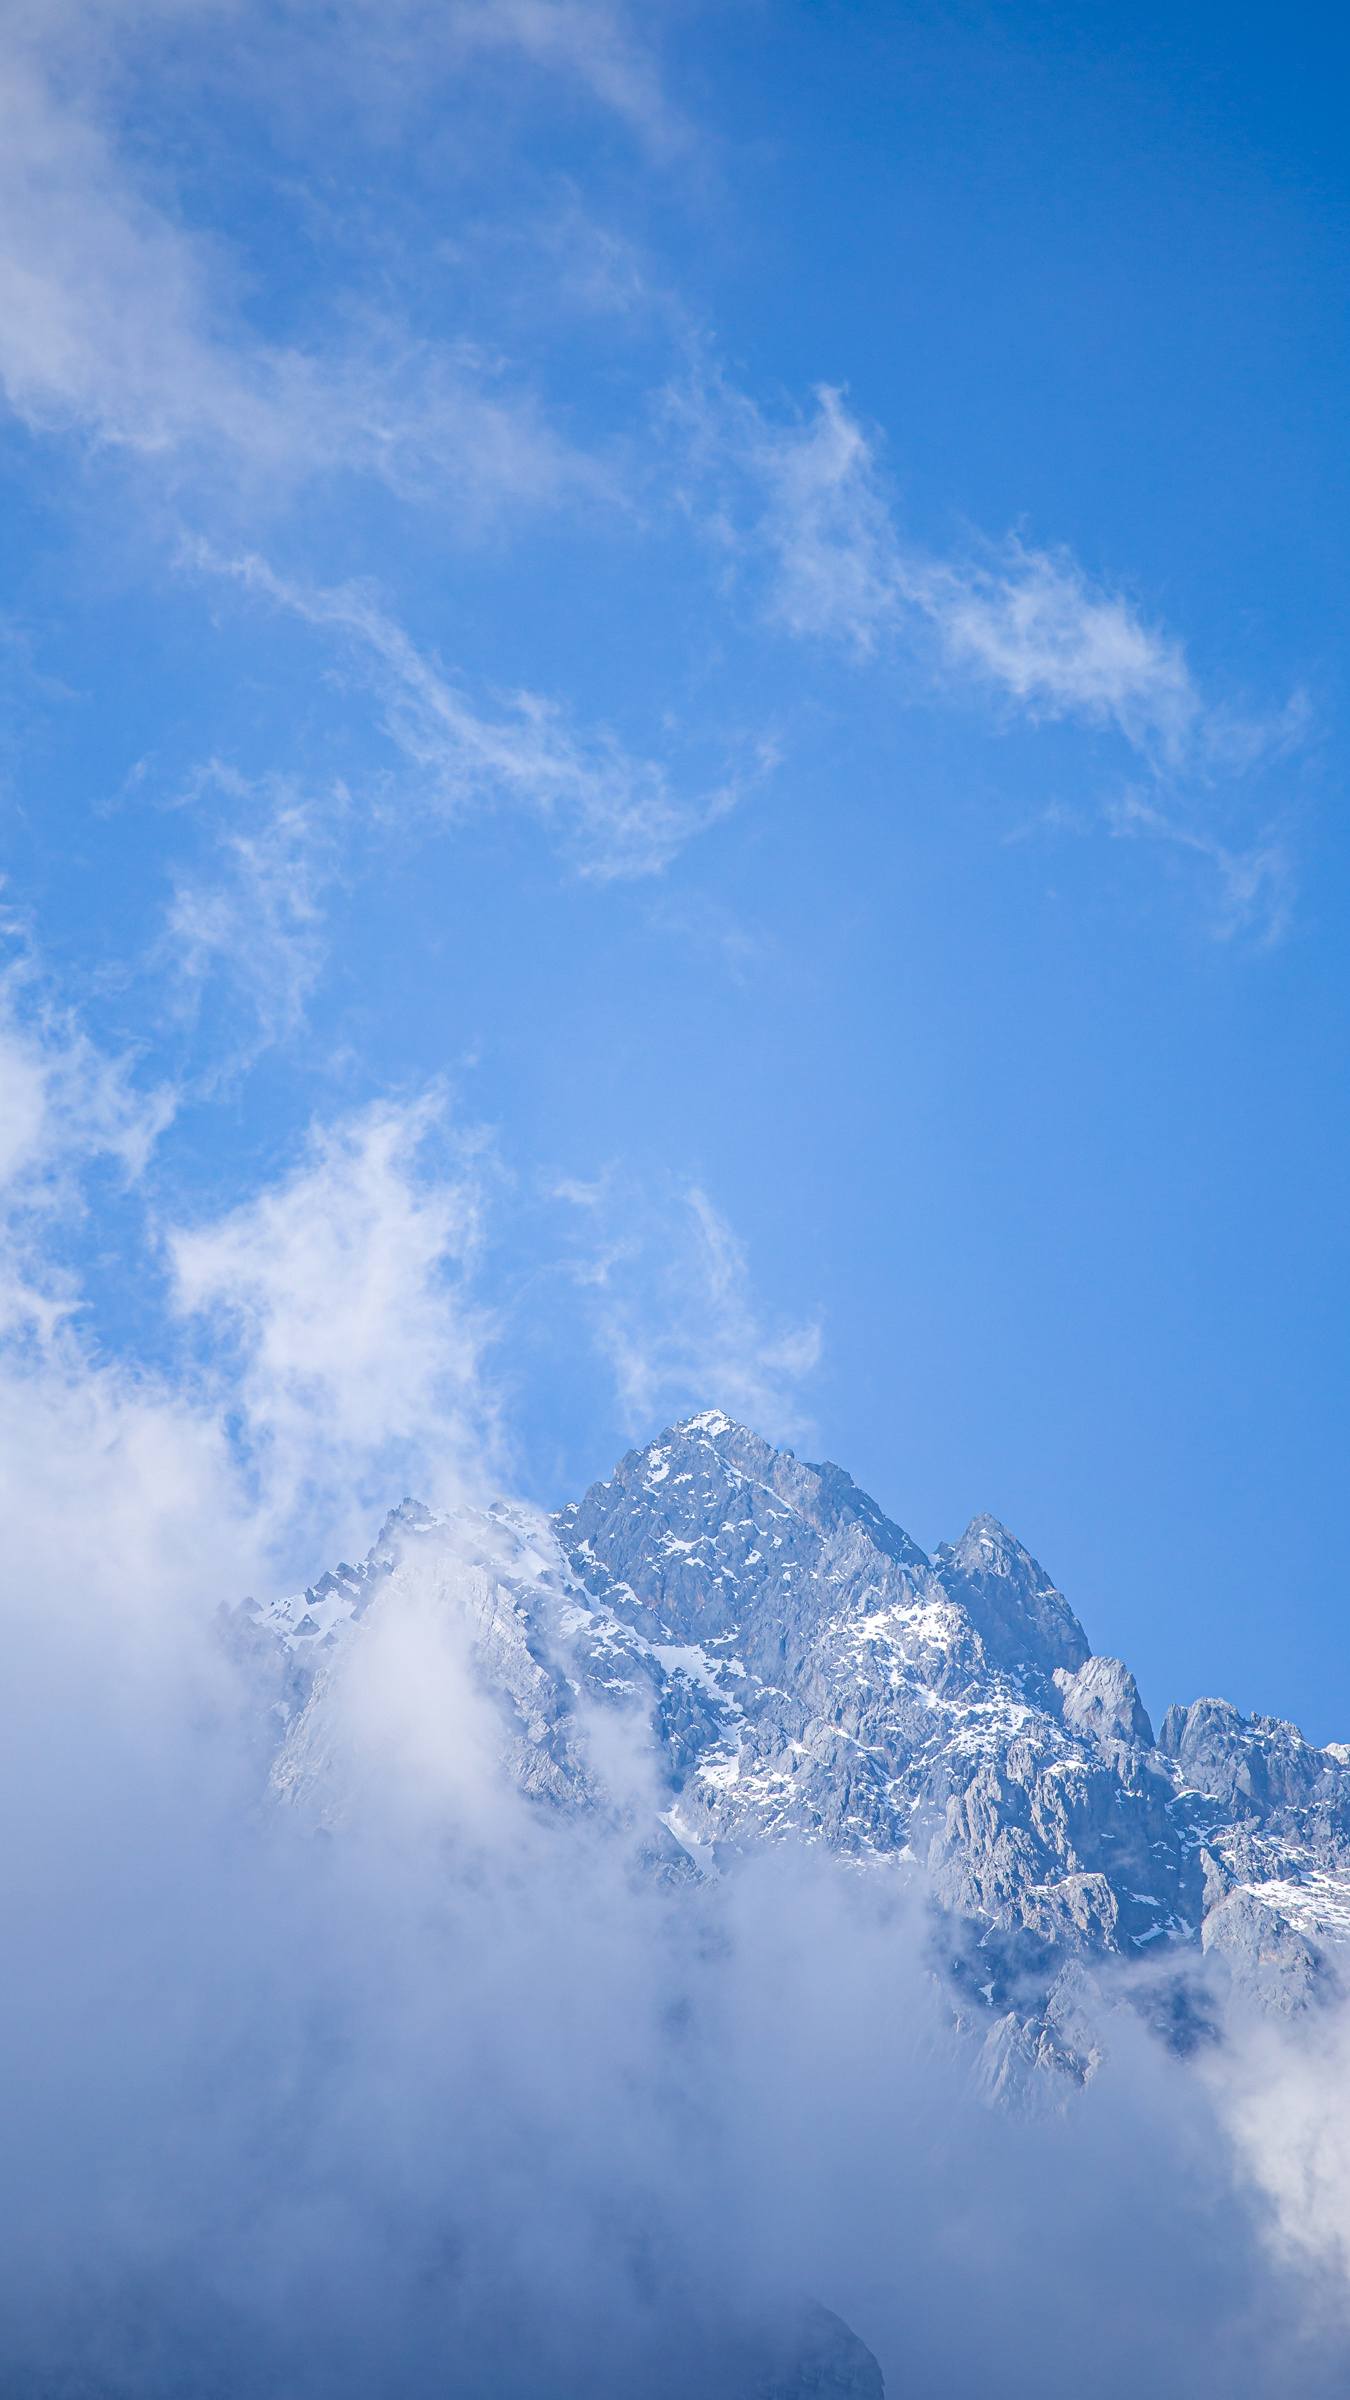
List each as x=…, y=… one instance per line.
x=1101, y=1700
x=808, y=1673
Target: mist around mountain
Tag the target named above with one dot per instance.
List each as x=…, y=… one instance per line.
x=696, y=1944
x=808, y=1674
x=668, y=762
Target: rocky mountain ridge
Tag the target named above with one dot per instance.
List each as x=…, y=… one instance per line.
x=809, y=1674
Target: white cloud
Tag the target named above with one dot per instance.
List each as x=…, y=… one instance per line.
x=1025, y=628
x=255, y=923
x=119, y=1497
x=1028, y=622
x=604, y=48
x=343, y=1344
x=673, y=1308
x=121, y=322
x=272, y=2081
x=616, y=815
x=1034, y=625
x=824, y=521
x=1253, y=883
x=63, y=1099
x=339, y=1298
x=1283, y=2090
x=108, y=1478
x=65, y=1105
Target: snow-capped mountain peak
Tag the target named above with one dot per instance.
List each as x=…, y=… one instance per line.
x=803, y=1671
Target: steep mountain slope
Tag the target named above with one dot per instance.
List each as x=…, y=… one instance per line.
x=809, y=1674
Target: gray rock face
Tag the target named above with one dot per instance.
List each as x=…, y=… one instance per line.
x=824, y=2360
x=1023, y=1622
x=1101, y=1701
x=822, y=1678
x=1271, y=1960
x=809, y=1674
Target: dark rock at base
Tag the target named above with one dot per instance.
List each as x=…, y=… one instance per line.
x=825, y=2361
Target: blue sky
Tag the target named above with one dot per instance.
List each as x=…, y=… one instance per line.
x=675, y=735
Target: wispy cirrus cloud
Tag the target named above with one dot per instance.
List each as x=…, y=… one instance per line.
x=1253, y=883
x=672, y=1306
x=63, y=1098
x=251, y=921
x=69, y=1106
x=1029, y=622
x=805, y=505
x=614, y=814
x=606, y=49
x=124, y=323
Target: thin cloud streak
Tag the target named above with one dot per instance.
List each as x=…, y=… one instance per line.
x=1254, y=884
x=616, y=816
x=672, y=1307
x=1029, y=622
x=806, y=507
x=253, y=923
x=603, y=47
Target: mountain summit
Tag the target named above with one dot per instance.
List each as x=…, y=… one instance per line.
x=809, y=1674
